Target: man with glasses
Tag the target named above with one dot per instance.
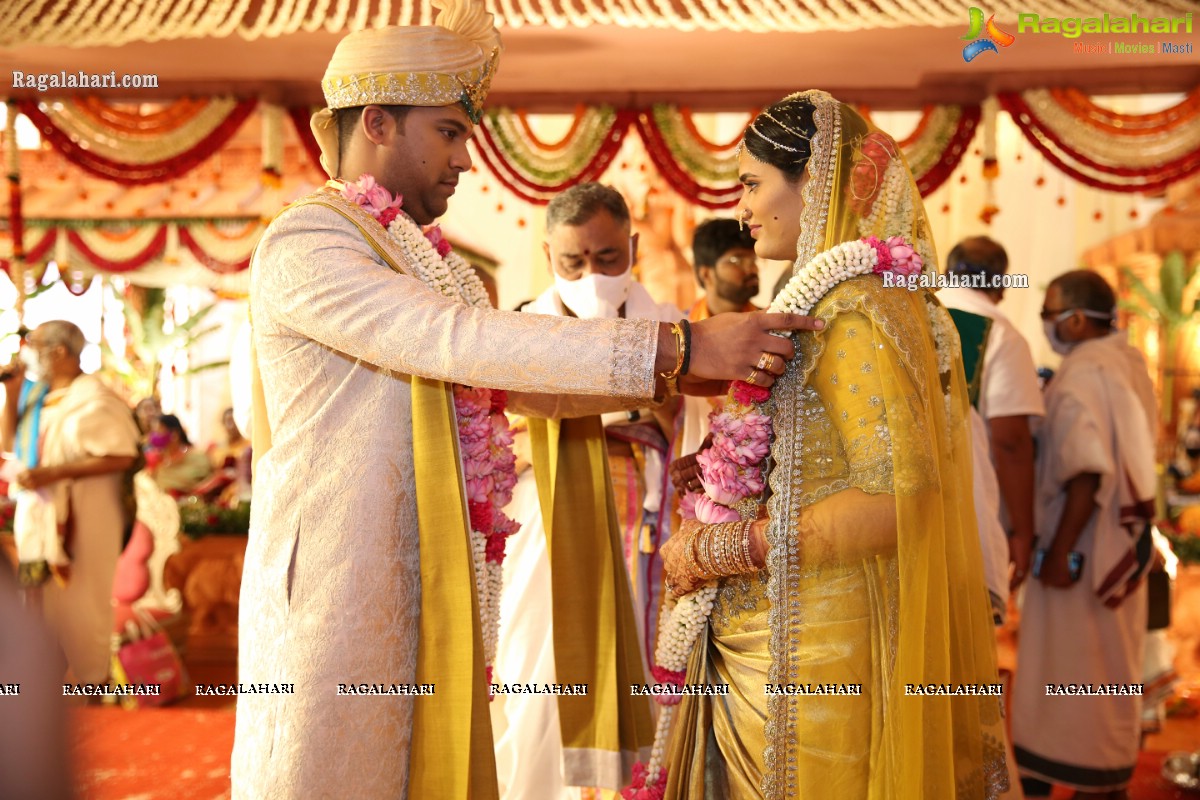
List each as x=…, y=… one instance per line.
x=727, y=268
x=1084, y=619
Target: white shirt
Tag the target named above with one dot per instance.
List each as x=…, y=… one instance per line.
x=1009, y=385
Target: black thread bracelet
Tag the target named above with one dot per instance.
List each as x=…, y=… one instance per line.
x=687, y=345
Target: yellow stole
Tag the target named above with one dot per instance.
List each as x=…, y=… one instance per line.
x=451, y=754
x=595, y=632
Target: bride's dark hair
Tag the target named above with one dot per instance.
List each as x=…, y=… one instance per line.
x=781, y=135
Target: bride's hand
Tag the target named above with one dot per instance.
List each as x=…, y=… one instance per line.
x=676, y=560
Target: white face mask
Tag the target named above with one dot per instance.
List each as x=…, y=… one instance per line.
x=33, y=370
x=1057, y=344
x=594, y=296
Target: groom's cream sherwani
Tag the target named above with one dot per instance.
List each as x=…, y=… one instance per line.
x=331, y=591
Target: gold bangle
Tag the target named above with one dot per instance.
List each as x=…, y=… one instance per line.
x=703, y=553
x=720, y=537
x=693, y=567
x=680, y=352
x=749, y=561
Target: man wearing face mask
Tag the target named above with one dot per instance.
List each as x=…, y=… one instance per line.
x=74, y=438
x=592, y=252
x=599, y=549
x=1084, y=618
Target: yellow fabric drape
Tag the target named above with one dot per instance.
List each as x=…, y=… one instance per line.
x=595, y=632
x=452, y=753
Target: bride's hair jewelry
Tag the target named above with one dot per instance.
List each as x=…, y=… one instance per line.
x=781, y=136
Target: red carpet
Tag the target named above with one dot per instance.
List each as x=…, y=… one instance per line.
x=183, y=754
x=173, y=754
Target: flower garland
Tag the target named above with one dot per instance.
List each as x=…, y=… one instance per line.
x=731, y=471
x=485, y=441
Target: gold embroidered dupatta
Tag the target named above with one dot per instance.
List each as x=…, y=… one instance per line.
x=928, y=746
x=874, y=570
x=452, y=753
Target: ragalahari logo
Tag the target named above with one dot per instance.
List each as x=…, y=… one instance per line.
x=991, y=36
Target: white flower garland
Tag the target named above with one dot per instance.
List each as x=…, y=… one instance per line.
x=679, y=627
x=892, y=196
x=489, y=580
x=451, y=276
x=826, y=270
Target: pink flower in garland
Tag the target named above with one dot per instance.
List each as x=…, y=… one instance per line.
x=905, y=259
x=710, y=512
x=375, y=199
x=638, y=790
x=748, y=394
x=720, y=479
x=479, y=488
x=744, y=440
x=434, y=234
x=896, y=256
x=687, y=505
x=481, y=516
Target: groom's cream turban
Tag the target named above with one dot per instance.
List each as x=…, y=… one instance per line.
x=436, y=65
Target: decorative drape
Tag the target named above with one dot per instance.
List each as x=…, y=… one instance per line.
x=703, y=172
x=133, y=150
x=115, y=22
x=536, y=170
x=221, y=246
x=1107, y=150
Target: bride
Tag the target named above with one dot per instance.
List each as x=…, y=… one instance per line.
x=849, y=616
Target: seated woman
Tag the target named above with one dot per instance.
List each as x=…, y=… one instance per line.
x=859, y=567
x=230, y=481
x=176, y=466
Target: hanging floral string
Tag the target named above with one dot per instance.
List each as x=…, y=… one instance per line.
x=96, y=23
x=536, y=174
x=991, y=164
x=704, y=177
x=16, y=223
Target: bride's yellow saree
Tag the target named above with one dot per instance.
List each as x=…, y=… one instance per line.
x=861, y=662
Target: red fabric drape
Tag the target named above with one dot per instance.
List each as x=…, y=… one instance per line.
x=137, y=174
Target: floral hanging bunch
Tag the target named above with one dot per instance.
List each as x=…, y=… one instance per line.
x=485, y=440
x=867, y=175
x=489, y=467
x=732, y=471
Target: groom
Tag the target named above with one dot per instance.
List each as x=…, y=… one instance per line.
x=359, y=568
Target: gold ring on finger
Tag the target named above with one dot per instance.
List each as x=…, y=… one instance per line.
x=753, y=377
x=765, y=361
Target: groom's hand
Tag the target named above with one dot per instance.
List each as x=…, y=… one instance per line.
x=731, y=346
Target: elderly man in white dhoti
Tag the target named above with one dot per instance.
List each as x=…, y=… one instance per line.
x=376, y=528
x=75, y=439
x=1076, y=721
